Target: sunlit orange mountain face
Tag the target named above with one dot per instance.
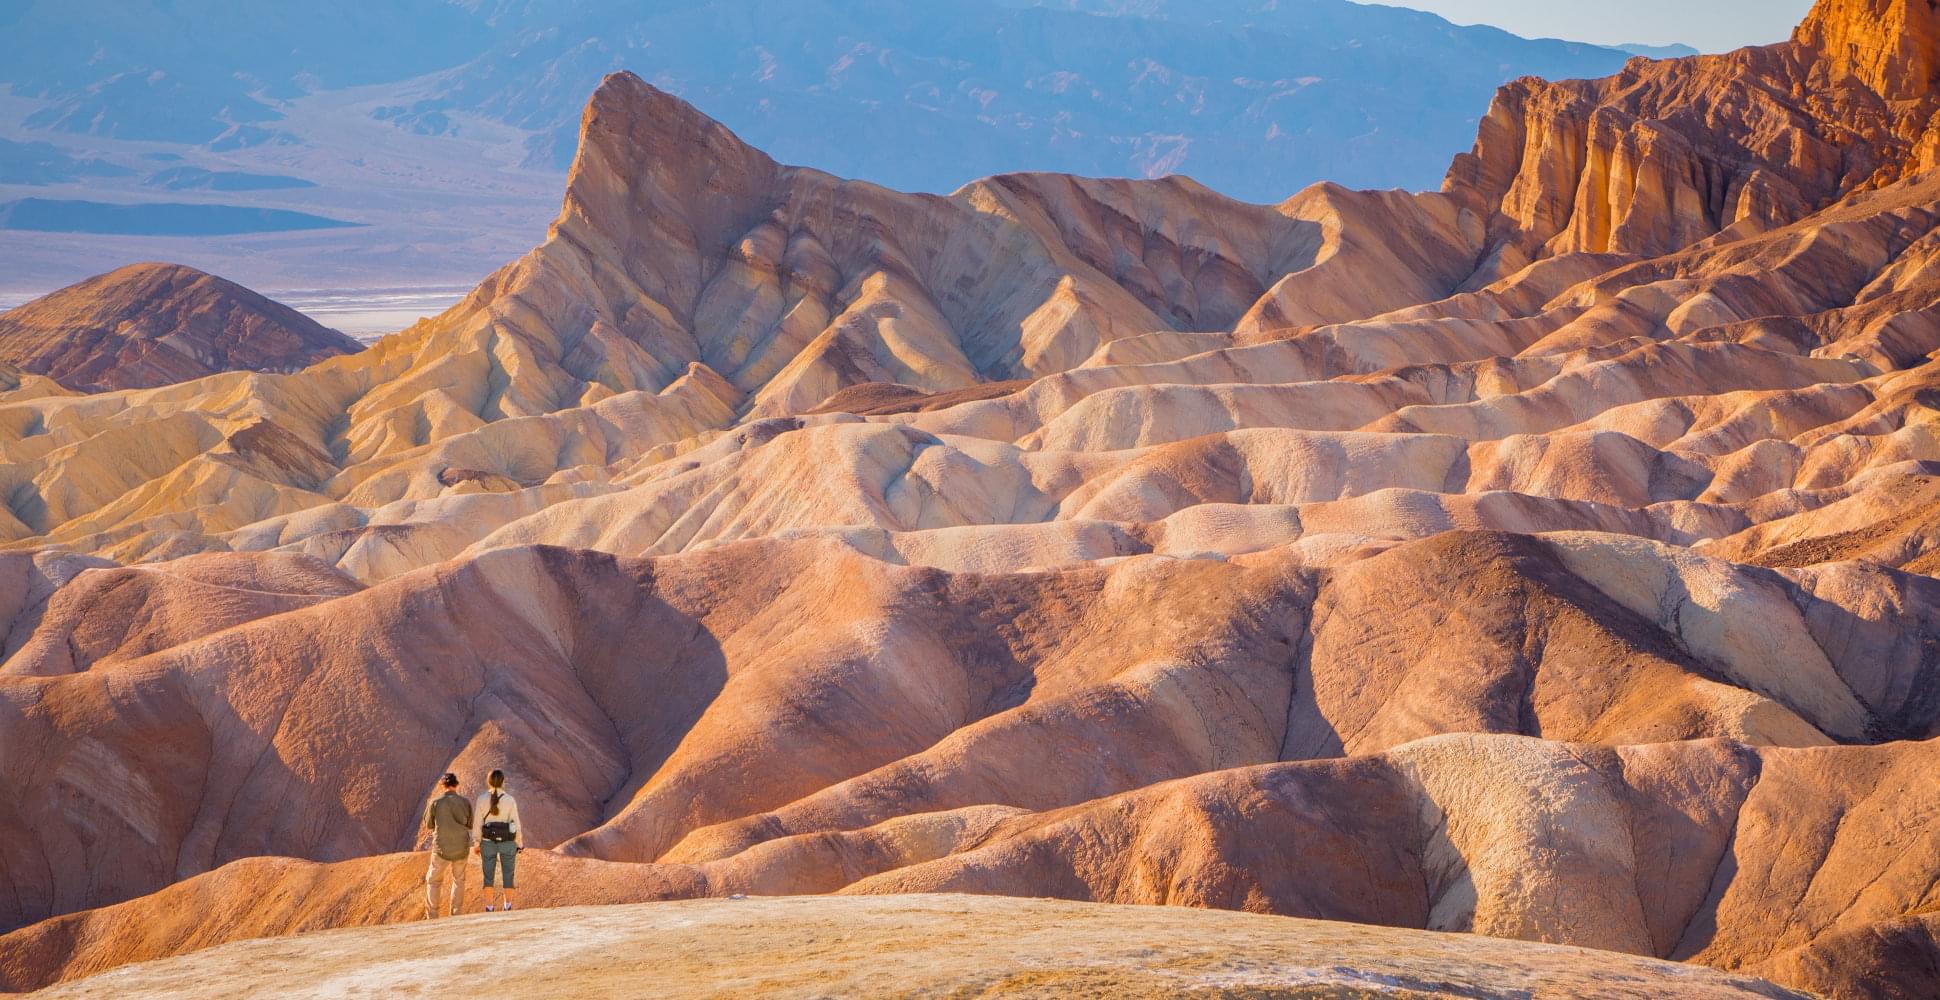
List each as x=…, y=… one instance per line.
x=1549, y=558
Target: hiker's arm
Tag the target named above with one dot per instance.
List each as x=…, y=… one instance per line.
x=431, y=816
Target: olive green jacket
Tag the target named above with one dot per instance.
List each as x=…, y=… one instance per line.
x=450, y=817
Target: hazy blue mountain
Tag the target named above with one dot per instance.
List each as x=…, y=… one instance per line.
x=43, y=163
x=198, y=179
x=1658, y=51
x=55, y=215
x=1254, y=97
x=192, y=70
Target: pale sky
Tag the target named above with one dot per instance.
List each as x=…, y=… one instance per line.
x=1710, y=25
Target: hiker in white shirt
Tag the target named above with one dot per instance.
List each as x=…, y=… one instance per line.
x=498, y=838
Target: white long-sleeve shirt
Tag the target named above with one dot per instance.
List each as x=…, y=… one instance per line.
x=508, y=812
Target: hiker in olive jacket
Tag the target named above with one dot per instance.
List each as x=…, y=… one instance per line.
x=449, y=817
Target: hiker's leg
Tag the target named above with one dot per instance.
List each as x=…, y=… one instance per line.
x=488, y=860
x=458, y=886
x=431, y=887
x=510, y=859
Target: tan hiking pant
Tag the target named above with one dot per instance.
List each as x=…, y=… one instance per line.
x=436, y=873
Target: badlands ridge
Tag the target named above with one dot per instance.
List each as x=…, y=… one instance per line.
x=1546, y=557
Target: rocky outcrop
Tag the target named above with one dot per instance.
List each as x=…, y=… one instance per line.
x=1667, y=153
x=1897, y=958
x=1890, y=46
x=157, y=324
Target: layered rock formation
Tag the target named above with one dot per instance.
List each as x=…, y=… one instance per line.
x=149, y=325
x=1549, y=557
x=1671, y=152
x=1890, y=46
x=787, y=717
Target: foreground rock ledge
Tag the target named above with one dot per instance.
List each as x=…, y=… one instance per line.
x=910, y=945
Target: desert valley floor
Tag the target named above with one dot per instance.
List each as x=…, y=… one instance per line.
x=1553, y=557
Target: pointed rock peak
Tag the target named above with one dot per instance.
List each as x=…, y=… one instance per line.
x=1891, y=45
x=626, y=106
x=643, y=148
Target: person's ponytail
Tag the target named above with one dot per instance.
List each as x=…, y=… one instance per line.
x=497, y=781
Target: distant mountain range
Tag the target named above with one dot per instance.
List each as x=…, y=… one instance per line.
x=1658, y=51
x=1253, y=97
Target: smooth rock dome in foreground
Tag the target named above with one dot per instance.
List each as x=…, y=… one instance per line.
x=908, y=946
